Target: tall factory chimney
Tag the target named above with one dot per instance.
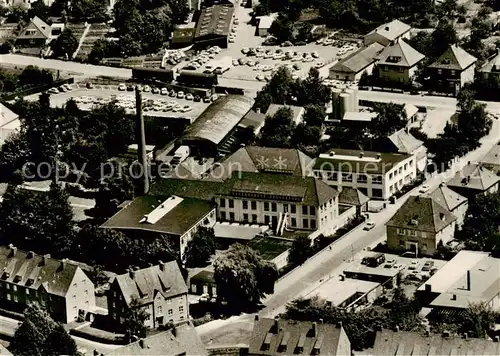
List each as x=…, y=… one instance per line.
x=141, y=140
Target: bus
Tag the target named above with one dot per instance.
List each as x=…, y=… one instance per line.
x=153, y=74
x=199, y=80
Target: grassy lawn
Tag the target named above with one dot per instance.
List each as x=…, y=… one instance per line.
x=269, y=247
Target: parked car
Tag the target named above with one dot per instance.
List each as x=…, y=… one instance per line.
x=68, y=86
x=321, y=40
x=235, y=62
x=89, y=85
x=231, y=39
x=172, y=93
x=122, y=87
x=369, y=226
x=164, y=91
x=319, y=64
x=197, y=98
x=214, y=97
x=180, y=95
x=424, y=189
x=244, y=50
x=155, y=90
x=261, y=78
x=186, y=108
x=62, y=89
x=242, y=61
x=146, y=89
x=130, y=88
x=206, y=99
x=53, y=91
x=189, y=96
x=204, y=298
x=287, y=44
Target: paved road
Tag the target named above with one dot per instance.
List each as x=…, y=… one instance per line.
x=301, y=280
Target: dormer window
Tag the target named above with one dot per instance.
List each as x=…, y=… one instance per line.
x=446, y=61
x=393, y=59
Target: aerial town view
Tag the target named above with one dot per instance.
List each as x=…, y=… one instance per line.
x=245, y=177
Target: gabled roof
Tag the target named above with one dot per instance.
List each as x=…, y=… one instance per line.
x=4, y=351
x=147, y=282
x=389, y=342
x=351, y=196
x=214, y=20
x=400, y=54
x=33, y=271
x=474, y=176
x=391, y=30
x=447, y=198
x=263, y=159
x=296, y=110
x=422, y=214
x=454, y=58
x=43, y=31
x=274, y=337
x=6, y=115
x=186, y=188
x=405, y=141
x=492, y=158
x=493, y=64
x=178, y=217
x=359, y=60
x=184, y=341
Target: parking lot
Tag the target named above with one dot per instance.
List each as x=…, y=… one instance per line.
x=157, y=105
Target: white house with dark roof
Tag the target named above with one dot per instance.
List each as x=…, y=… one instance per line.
x=398, y=63
x=377, y=175
x=451, y=200
x=288, y=337
x=453, y=69
x=491, y=160
x=35, y=34
x=353, y=66
x=9, y=123
x=159, y=290
x=474, y=179
x=419, y=225
x=61, y=287
x=491, y=67
x=403, y=141
x=388, y=33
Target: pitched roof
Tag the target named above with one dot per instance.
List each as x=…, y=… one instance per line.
x=263, y=159
x=296, y=110
x=279, y=187
x=186, y=341
x=147, y=282
x=359, y=60
x=474, y=176
x=33, y=271
x=405, y=141
x=492, y=158
x=446, y=197
x=219, y=118
x=286, y=336
x=186, y=188
x=341, y=160
x=492, y=65
x=351, y=196
x=6, y=115
x=43, y=31
x=454, y=58
x=400, y=54
x=422, y=214
x=391, y=30
x=389, y=342
x=214, y=20
x=170, y=215
x=4, y=351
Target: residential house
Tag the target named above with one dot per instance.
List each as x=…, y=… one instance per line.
x=61, y=287
x=376, y=175
x=474, y=179
x=469, y=277
x=389, y=342
x=419, y=225
x=491, y=67
x=264, y=24
x=491, y=160
x=398, y=63
x=278, y=337
x=152, y=216
x=353, y=66
x=35, y=34
x=403, y=141
x=9, y=123
x=411, y=112
x=179, y=340
x=354, y=197
x=451, y=200
x=203, y=283
x=4, y=351
x=159, y=290
x=452, y=70
x=388, y=33
x=297, y=111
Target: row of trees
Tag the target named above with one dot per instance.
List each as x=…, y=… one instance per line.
x=31, y=76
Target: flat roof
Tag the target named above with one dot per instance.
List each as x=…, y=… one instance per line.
x=265, y=22
x=364, y=116
x=336, y=291
x=357, y=267
x=238, y=231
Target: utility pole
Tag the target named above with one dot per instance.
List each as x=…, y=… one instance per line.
x=141, y=140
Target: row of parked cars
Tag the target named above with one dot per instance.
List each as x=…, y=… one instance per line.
x=280, y=54
x=203, y=57
x=62, y=89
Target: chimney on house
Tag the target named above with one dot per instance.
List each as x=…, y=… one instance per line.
x=466, y=336
x=387, y=28
x=454, y=297
x=361, y=154
x=379, y=156
x=257, y=110
x=321, y=321
x=30, y=254
x=63, y=264
x=256, y=317
x=396, y=328
x=442, y=216
x=142, y=344
x=276, y=326
x=44, y=259
x=162, y=266
x=13, y=250
x=496, y=338
x=339, y=325
x=141, y=140
x=314, y=329
x=174, y=331
x=331, y=154
x=446, y=333
x=468, y=280
x=131, y=273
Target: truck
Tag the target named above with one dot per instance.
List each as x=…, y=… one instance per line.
x=152, y=75
x=192, y=78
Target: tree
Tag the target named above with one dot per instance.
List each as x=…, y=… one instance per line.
x=444, y=36
x=243, y=277
x=32, y=75
x=14, y=153
x=179, y=11
x=100, y=49
x=200, y=248
x=89, y=10
x=279, y=87
x=403, y=312
x=300, y=251
x=65, y=45
x=263, y=101
x=390, y=118
x=282, y=28
x=154, y=27
x=306, y=135
x=312, y=91
x=314, y=115
x=40, y=335
x=134, y=320
x=277, y=130
x=38, y=8
x=478, y=319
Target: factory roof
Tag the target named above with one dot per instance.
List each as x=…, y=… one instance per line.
x=359, y=60
x=392, y=30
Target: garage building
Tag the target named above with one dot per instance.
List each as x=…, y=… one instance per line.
x=214, y=26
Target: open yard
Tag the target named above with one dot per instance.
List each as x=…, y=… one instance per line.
x=269, y=247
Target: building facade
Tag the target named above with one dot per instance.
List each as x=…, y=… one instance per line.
x=159, y=290
x=398, y=63
x=353, y=66
x=59, y=286
x=377, y=175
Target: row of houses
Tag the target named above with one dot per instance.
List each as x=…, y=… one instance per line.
x=387, y=53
